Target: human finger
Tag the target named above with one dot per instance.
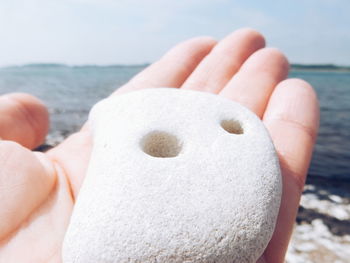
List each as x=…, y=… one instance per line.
x=218, y=67
x=173, y=68
x=253, y=84
x=23, y=119
x=292, y=118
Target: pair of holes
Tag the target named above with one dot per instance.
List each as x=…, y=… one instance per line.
x=165, y=145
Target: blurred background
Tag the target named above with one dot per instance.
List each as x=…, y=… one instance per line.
x=72, y=53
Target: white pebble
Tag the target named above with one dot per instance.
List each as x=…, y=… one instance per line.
x=175, y=176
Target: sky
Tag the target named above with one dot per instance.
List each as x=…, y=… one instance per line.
x=104, y=32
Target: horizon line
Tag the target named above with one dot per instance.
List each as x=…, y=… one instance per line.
x=54, y=64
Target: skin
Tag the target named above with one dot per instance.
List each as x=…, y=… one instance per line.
x=38, y=189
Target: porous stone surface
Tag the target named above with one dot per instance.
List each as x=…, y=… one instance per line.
x=175, y=176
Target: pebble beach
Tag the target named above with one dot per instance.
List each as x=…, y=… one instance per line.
x=322, y=228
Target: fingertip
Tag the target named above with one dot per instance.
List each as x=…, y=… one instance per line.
x=25, y=119
x=249, y=34
x=301, y=86
x=295, y=100
x=275, y=56
x=249, y=31
x=268, y=60
x=36, y=110
x=195, y=48
x=257, y=78
x=224, y=60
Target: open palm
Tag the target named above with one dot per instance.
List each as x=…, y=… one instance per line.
x=38, y=190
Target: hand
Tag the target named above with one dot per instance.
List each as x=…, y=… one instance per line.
x=38, y=190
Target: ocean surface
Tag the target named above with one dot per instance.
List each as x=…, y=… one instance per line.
x=69, y=92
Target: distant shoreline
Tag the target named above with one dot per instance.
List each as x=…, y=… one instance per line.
x=294, y=66
x=320, y=67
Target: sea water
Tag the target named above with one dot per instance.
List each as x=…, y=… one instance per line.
x=69, y=92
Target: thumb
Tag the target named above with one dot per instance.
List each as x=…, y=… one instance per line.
x=23, y=119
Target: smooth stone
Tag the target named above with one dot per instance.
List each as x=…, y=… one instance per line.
x=175, y=176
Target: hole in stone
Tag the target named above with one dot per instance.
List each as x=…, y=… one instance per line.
x=161, y=144
x=232, y=126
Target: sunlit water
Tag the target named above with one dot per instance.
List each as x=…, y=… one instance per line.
x=70, y=92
